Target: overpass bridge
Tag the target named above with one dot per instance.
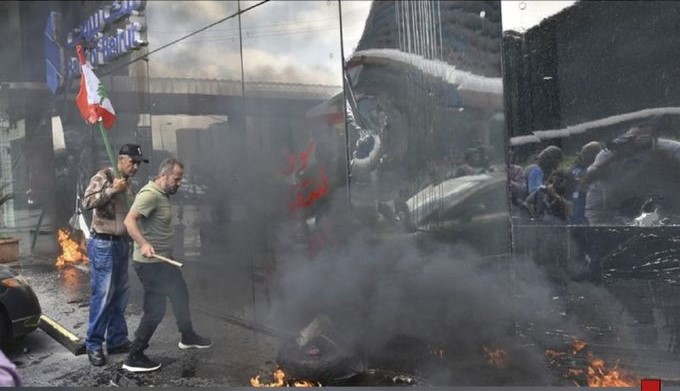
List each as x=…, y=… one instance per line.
x=218, y=97
x=33, y=159
x=170, y=96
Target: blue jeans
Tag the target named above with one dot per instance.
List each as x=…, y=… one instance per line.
x=109, y=292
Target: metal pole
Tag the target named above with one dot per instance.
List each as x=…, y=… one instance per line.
x=345, y=87
x=242, y=125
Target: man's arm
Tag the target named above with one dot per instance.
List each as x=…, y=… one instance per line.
x=136, y=234
x=100, y=190
x=530, y=203
x=596, y=169
x=562, y=204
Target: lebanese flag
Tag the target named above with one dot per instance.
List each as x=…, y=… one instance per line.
x=92, y=100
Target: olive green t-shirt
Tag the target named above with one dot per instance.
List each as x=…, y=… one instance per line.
x=156, y=225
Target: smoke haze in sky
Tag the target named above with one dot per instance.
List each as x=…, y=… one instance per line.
x=281, y=40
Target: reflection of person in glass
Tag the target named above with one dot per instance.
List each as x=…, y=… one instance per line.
x=585, y=158
x=636, y=139
x=517, y=181
x=633, y=167
x=475, y=163
x=550, y=202
x=546, y=162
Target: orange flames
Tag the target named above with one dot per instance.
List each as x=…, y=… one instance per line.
x=578, y=346
x=596, y=375
x=600, y=376
x=279, y=380
x=278, y=376
x=497, y=357
x=72, y=252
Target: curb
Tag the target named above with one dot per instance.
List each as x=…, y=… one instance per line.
x=70, y=341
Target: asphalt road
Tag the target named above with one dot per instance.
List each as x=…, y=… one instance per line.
x=238, y=352
x=640, y=337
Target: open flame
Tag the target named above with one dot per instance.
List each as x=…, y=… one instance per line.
x=600, y=376
x=577, y=346
x=279, y=380
x=497, y=357
x=72, y=252
x=597, y=374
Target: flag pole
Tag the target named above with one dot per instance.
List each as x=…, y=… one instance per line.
x=114, y=162
x=109, y=150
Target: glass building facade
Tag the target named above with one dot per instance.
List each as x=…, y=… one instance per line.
x=415, y=170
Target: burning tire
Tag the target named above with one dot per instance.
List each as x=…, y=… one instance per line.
x=320, y=360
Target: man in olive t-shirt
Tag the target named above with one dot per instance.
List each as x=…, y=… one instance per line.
x=156, y=226
x=149, y=223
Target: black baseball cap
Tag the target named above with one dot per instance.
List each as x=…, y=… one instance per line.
x=134, y=151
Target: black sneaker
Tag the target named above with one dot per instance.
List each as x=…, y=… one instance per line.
x=139, y=362
x=96, y=357
x=194, y=341
x=124, y=348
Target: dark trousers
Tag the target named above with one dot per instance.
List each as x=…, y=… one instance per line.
x=161, y=282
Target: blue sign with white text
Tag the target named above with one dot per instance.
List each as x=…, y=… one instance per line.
x=54, y=54
x=104, y=43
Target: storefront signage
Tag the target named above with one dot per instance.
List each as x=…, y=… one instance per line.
x=103, y=41
x=113, y=30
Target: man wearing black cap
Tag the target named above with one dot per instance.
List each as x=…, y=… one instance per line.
x=107, y=250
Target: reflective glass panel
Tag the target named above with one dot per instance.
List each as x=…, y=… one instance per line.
x=294, y=171
x=593, y=139
x=195, y=114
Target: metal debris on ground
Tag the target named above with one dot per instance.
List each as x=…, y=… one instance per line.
x=403, y=379
x=125, y=379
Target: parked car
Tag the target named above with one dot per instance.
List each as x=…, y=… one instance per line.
x=470, y=209
x=19, y=307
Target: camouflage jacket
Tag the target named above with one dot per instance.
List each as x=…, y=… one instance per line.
x=108, y=212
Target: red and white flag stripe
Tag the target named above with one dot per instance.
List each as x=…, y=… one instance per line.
x=92, y=100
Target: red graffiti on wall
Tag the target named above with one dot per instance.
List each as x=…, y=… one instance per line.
x=298, y=162
x=310, y=190
x=310, y=182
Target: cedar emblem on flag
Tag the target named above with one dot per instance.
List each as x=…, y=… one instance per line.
x=93, y=101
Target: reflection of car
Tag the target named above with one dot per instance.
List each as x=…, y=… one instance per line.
x=470, y=209
x=19, y=307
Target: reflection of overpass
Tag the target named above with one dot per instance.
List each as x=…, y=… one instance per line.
x=183, y=96
x=217, y=97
